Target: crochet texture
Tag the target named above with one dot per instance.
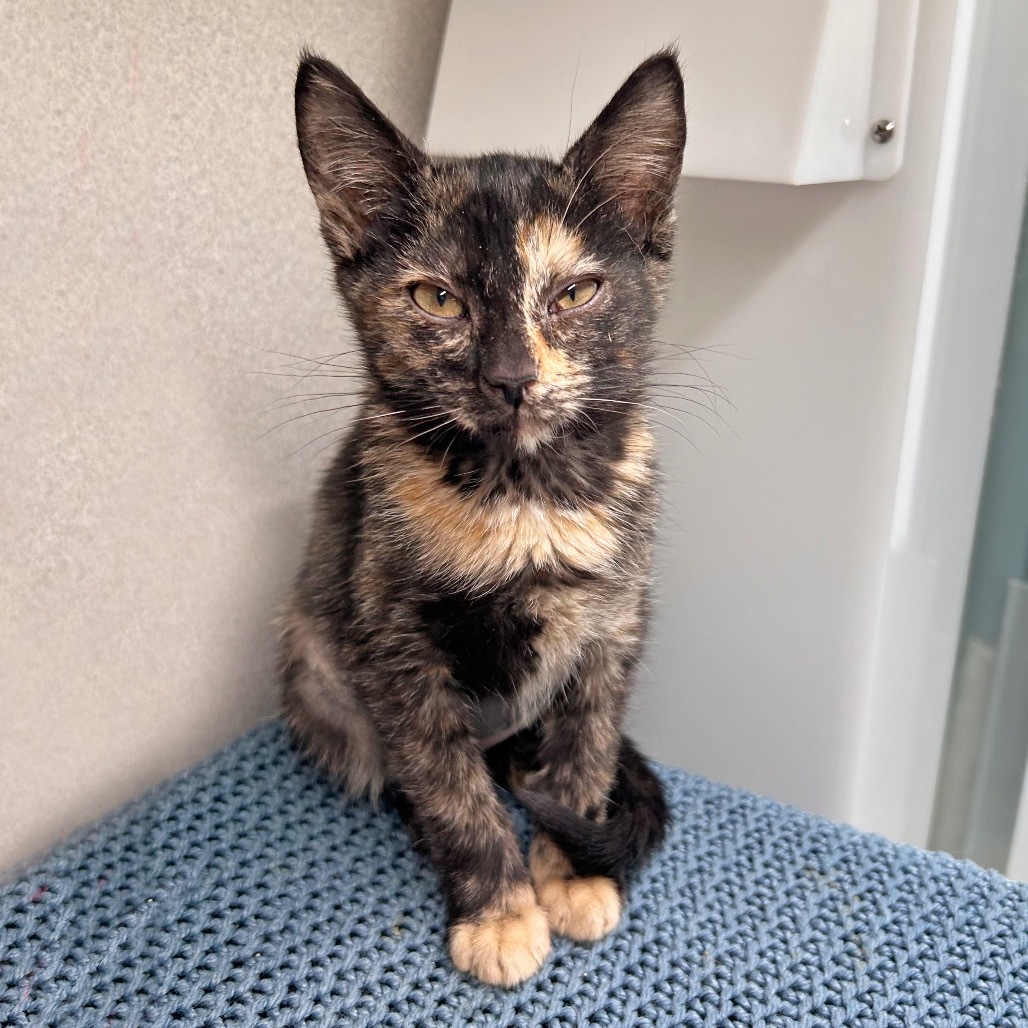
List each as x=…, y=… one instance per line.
x=245, y=892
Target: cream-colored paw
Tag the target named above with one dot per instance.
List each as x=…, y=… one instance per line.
x=585, y=909
x=504, y=946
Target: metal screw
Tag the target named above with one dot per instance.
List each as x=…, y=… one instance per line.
x=882, y=130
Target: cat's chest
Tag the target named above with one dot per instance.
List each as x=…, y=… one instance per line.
x=573, y=620
x=575, y=513
x=476, y=542
x=513, y=651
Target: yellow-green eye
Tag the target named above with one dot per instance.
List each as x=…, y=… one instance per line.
x=576, y=295
x=436, y=300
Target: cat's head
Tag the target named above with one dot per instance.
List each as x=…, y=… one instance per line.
x=514, y=296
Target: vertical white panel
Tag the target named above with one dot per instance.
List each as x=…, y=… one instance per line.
x=972, y=251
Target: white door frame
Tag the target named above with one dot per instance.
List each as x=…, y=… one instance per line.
x=971, y=255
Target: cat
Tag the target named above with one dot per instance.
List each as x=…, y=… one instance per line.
x=475, y=590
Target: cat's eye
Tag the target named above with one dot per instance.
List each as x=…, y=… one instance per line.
x=578, y=294
x=437, y=301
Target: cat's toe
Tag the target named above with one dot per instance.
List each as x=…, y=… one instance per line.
x=586, y=909
x=503, y=946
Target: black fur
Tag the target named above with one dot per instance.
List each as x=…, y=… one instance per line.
x=635, y=824
x=475, y=592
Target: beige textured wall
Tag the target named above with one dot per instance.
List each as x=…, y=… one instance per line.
x=156, y=234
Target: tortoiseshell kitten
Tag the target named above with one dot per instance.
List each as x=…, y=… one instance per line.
x=475, y=590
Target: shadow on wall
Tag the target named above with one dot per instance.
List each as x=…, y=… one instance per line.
x=756, y=227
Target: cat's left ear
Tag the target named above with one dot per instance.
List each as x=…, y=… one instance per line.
x=358, y=164
x=631, y=155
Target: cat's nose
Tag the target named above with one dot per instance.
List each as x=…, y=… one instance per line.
x=508, y=370
x=513, y=388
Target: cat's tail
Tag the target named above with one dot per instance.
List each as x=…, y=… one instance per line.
x=635, y=825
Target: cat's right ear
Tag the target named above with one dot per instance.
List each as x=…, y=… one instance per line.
x=357, y=163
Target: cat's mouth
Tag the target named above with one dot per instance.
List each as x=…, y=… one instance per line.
x=528, y=428
x=527, y=423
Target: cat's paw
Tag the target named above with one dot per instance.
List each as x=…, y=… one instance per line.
x=582, y=908
x=585, y=909
x=503, y=946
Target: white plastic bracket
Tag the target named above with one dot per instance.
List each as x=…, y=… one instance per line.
x=777, y=90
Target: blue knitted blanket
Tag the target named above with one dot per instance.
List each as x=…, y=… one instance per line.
x=245, y=892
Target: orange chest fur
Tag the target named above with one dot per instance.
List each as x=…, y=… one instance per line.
x=480, y=542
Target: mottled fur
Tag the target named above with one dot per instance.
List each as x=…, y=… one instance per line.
x=475, y=590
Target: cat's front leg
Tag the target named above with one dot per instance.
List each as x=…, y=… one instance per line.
x=498, y=932
x=576, y=865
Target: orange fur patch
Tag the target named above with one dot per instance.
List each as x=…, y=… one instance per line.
x=552, y=364
x=636, y=465
x=550, y=254
x=548, y=249
x=480, y=542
